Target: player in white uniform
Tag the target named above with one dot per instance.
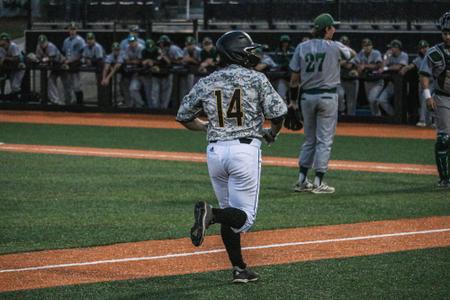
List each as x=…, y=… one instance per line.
x=236, y=100
x=316, y=63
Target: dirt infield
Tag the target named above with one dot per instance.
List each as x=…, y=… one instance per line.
x=159, y=121
x=173, y=257
x=201, y=157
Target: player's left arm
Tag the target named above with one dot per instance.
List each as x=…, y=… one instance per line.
x=190, y=107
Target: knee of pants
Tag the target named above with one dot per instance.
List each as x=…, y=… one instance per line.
x=135, y=86
x=248, y=223
x=442, y=142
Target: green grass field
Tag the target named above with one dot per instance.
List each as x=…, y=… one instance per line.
x=58, y=201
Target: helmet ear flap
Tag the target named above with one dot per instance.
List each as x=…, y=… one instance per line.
x=251, y=59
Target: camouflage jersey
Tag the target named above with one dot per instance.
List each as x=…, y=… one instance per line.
x=236, y=101
x=436, y=64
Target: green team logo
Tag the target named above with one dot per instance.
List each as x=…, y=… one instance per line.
x=314, y=62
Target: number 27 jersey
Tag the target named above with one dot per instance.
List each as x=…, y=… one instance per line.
x=318, y=62
x=236, y=101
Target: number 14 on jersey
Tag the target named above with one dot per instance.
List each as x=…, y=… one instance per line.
x=234, y=109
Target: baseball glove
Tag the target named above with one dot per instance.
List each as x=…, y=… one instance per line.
x=268, y=136
x=293, y=120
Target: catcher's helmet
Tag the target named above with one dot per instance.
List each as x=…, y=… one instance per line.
x=444, y=21
x=237, y=47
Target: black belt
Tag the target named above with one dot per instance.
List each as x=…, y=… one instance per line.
x=241, y=140
x=319, y=91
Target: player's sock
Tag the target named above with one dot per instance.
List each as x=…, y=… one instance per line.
x=230, y=216
x=318, y=178
x=441, y=153
x=302, y=174
x=232, y=242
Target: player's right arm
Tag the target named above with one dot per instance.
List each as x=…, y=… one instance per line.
x=196, y=125
x=425, y=72
x=347, y=53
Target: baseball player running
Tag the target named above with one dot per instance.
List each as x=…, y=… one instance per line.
x=316, y=64
x=437, y=65
x=236, y=100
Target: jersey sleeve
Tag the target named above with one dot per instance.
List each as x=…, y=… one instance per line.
x=175, y=52
x=85, y=52
x=100, y=53
x=377, y=58
x=39, y=53
x=272, y=104
x=426, y=66
x=294, y=64
x=404, y=59
x=417, y=62
x=15, y=51
x=52, y=51
x=356, y=60
x=82, y=43
x=109, y=59
x=267, y=60
x=191, y=105
x=343, y=50
x=65, y=46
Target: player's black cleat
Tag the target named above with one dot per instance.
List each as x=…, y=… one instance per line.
x=244, y=275
x=444, y=183
x=203, y=218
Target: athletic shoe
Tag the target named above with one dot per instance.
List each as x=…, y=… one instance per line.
x=444, y=183
x=203, y=217
x=305, y=186
x=244, y=275
x=323, y=189
x=421, y=124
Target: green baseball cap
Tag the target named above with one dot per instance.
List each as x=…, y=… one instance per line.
x=190, y=40
x=132, y=38
x=72, y=25
x=134, y=28
x=344, y=40
x=423, y=44
x=164, y=38
x=207, y=41
x=150, y=44
x=42, y=39
x=366, y=42
x=324, y=20
x=5, y=36
x=395, y=44
x=90, y=36
x=115, y=46
x=285, y=38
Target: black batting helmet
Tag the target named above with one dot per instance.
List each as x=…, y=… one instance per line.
x=444, y=21
x=237, y=47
